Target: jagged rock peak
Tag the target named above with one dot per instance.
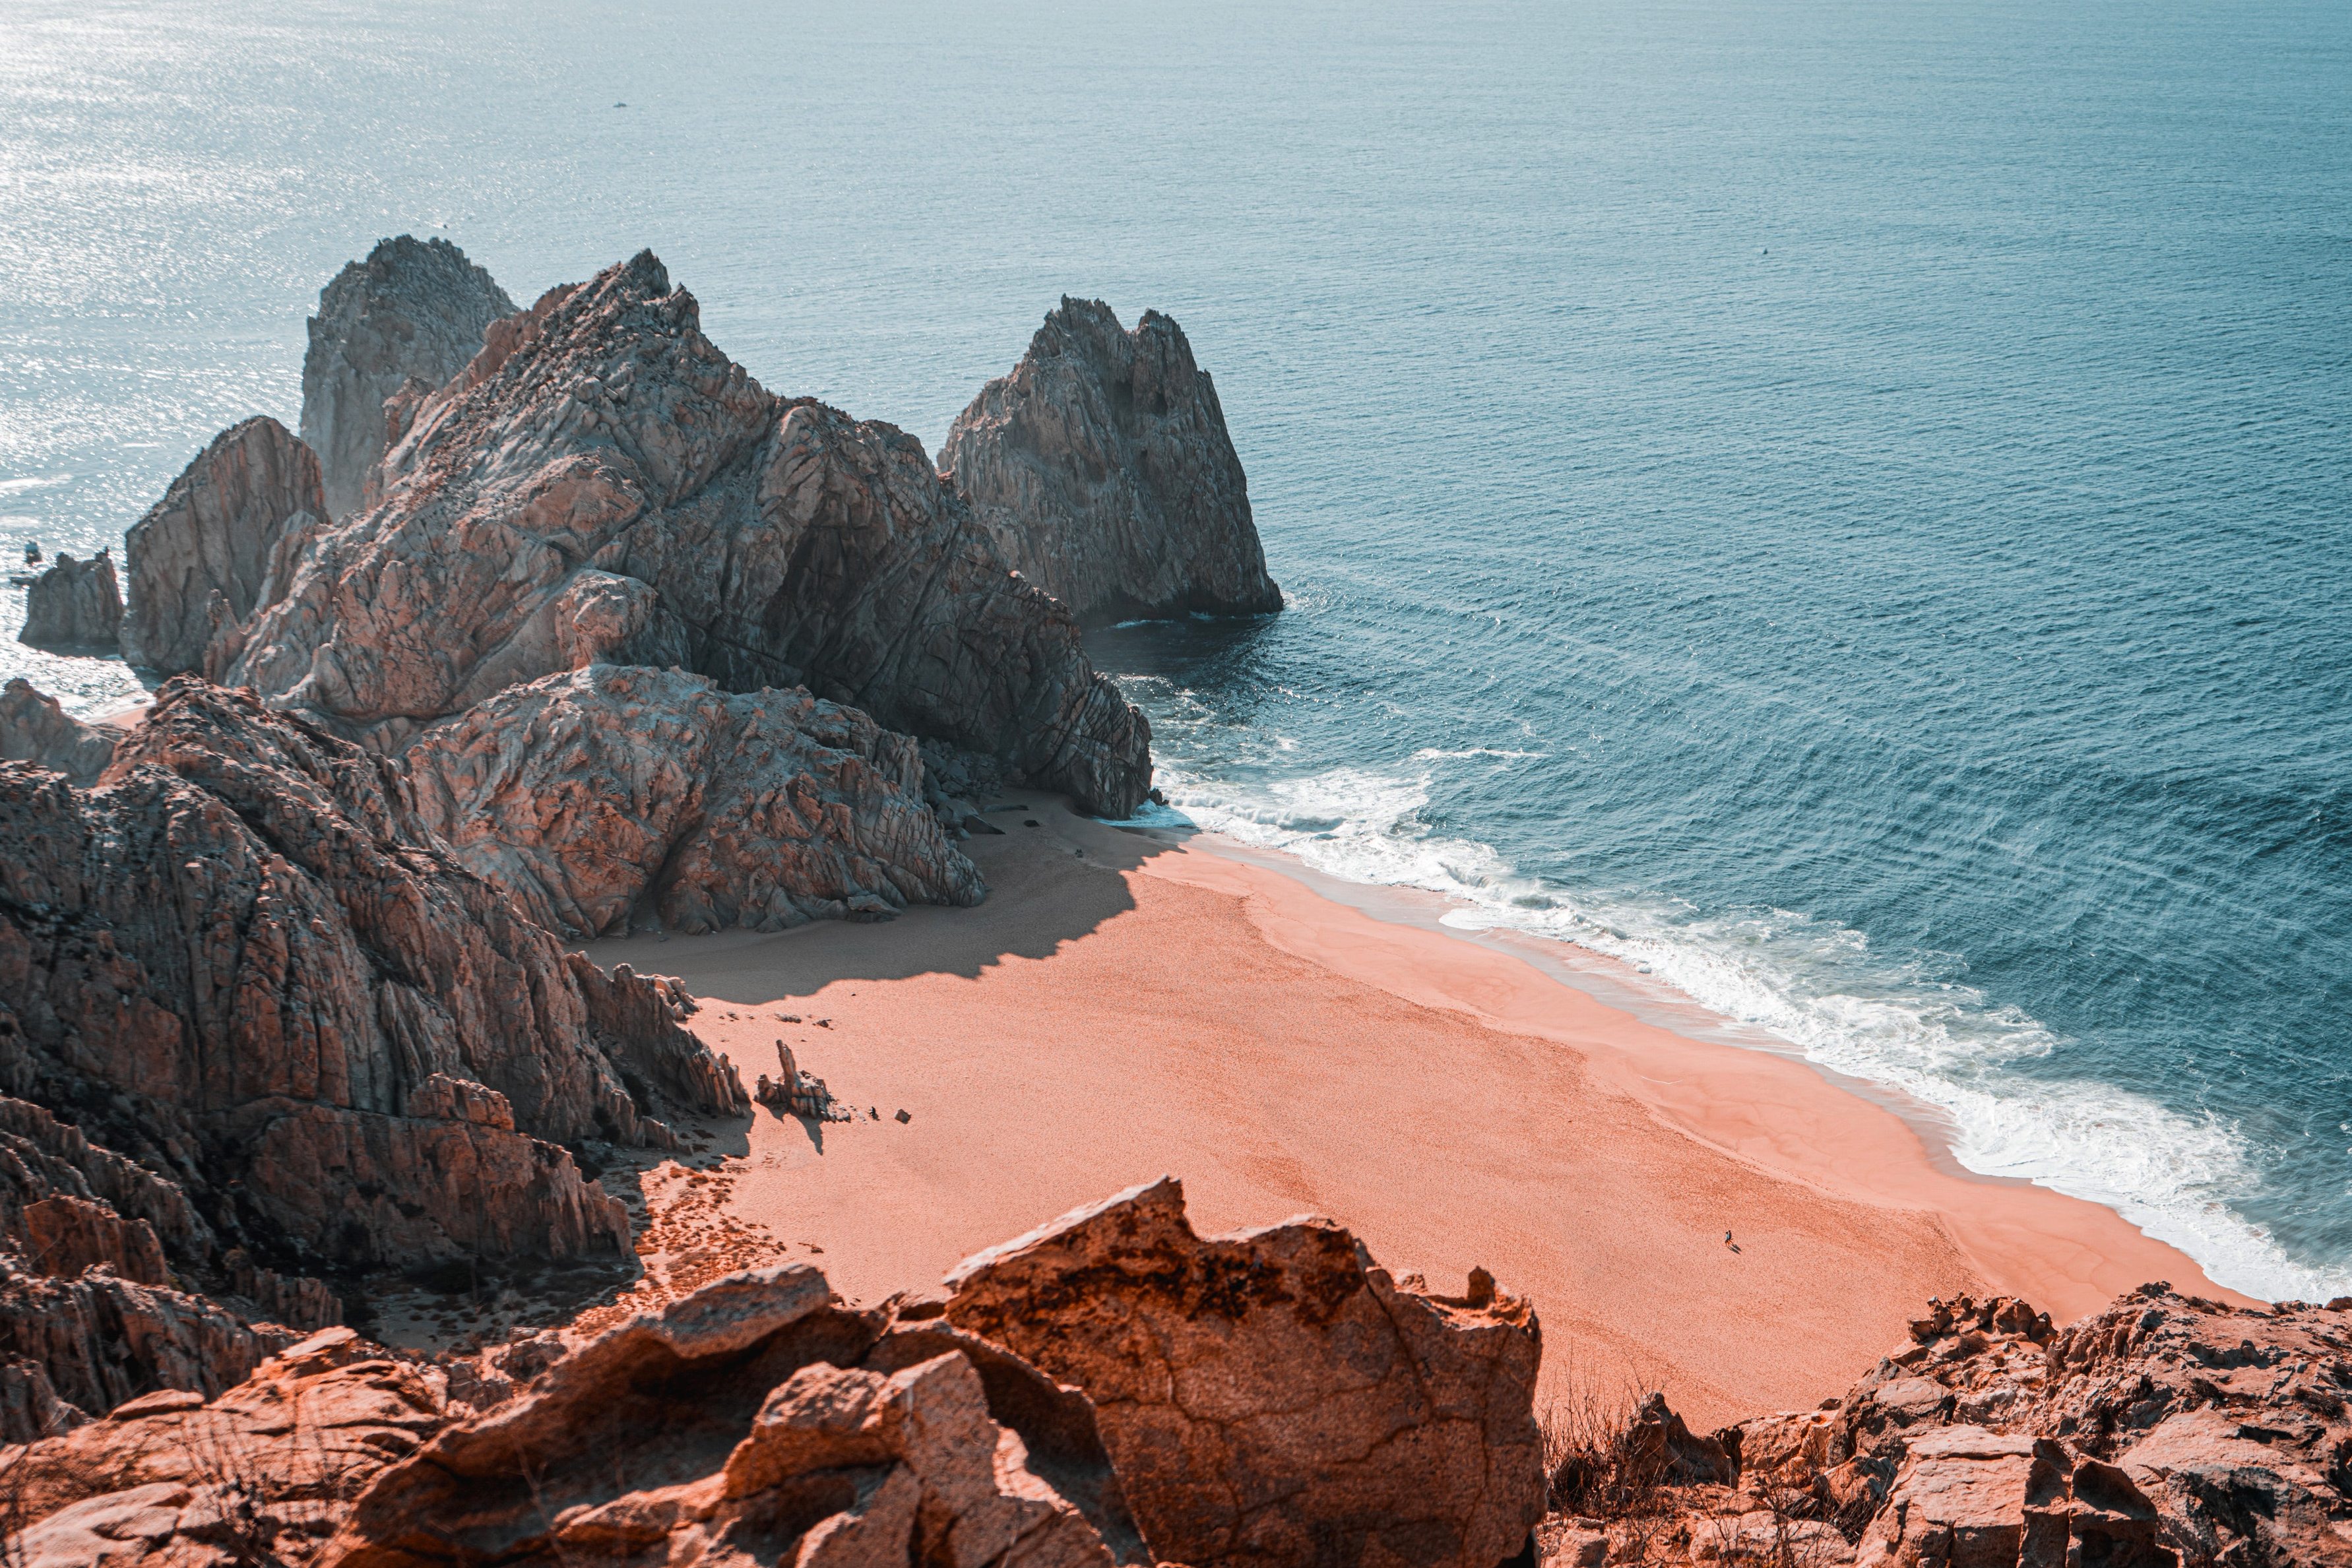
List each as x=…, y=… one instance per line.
x=600, y=445
x=212, y=549
x=74, y=604
x=1102, y=467
x=245, y=962
x=613, y=792
x=413, y=312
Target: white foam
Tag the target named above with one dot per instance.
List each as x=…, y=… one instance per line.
x=36, y=482
x=1817, y=985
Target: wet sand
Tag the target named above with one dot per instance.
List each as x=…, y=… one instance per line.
x=1125, y=1005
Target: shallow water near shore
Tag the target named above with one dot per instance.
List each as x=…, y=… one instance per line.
x=1845, y=508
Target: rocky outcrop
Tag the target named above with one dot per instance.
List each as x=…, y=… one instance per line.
x=758, y=1420
x=617, y=794
x=248, y=965
x=392, y=327
x=602, y=484
x=207, y=553
x=74, y=604
x=1273, y=1396
x=1102, y=467
x=34, y=728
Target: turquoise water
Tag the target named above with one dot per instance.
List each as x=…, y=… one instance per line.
x=1846, y=506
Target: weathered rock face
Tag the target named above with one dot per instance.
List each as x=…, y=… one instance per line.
x=414, y=311
x=1102, y=467
x=74, y=604
x=756, y=1421
x=613, y=792
x=245, y=962
x=204, y=555
x=602, y=484
x=1272, y=1397
x=34, y=728
x=259, y=1474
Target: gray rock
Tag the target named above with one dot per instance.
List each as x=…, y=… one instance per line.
x=34, y=728
x=413, y=312
x=1102, y=467
x=204, y=555
x=74, y=604
x=600, y=483
x=614, y=790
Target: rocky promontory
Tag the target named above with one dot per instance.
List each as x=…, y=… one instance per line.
x=392, y=326
x=74, y=604
x=1102, y=469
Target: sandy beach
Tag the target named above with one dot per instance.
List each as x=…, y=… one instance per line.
x=1125, y=1005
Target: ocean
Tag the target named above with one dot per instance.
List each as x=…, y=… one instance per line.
x=1844, y=507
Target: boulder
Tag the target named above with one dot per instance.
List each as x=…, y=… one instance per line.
x=602, y=484
x=1273, y=1398
x=208, y=552
x=616, y=794
x=34, y=728
x=757, y=1420
x=388, y=329
x=1968, y=1498
x=250, y=968
x=1102, y=469
x=74, y=604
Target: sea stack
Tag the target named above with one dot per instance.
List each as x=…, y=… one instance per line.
x=201, y=557
x=414, y=311
x=74, y=604
x=1102, y=467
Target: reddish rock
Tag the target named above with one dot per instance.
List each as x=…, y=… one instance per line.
x=603, y=483
x=1272, y=1396
x=206, y=554
x=67, y=1236
x=1102, y=469
x=74, y=604
x=389, y=330
x=615, y=793
x=34, y=729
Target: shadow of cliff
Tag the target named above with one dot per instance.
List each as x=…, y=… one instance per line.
x=1048, y=885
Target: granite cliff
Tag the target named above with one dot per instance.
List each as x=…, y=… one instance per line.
x=1102, y=469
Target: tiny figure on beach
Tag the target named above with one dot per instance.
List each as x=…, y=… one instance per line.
x=1728, y=1241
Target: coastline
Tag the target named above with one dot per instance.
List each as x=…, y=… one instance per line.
x=1126, y=1006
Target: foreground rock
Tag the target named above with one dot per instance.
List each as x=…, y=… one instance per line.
x=1102, y=467
x=600, y=484
x=760, y=1421
x=255, y=977
x=74, y=604
x=2167, y=1430
x=615, y=793
x=404, y=320
x=34, y=729
x=1273, y=1396
x=203, y=556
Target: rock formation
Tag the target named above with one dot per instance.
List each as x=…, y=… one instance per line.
x=1273, y=1396
x=257, y=978
x=34, y=728
x=394, y=326
x=1102, y=467
x=758, y=1421
x=2167, y=1430
x=614, y=791
x=74, y=604
x=204, y=556
x=600, y=484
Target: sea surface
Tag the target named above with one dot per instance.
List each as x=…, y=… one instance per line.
x=1845, y=506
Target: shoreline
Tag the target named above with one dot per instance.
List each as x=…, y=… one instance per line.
x=1125, y=1005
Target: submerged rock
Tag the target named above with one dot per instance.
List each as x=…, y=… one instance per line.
x=600, y=483
x=245, y=962
x=612, y=792
x=74, y=604
x=1273, y=1397
x=34, y=728
x=394, y=326
x=1102, y=467
x=206, y=554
